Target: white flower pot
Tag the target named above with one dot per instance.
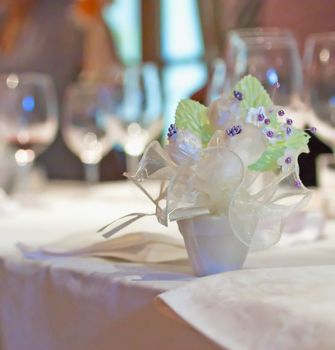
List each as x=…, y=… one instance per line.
x=211, y=245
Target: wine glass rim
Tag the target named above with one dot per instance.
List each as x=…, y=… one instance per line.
x=141, y=64
x=40, y=77
x=113, y=70
x=270, y=38
x=262, y=31
x=141, y=67
x=111, y=73
x=83, y=88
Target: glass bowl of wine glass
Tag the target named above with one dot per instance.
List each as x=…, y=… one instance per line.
x=87, y=126
x=28, y=118
x=319, y=68
x=272, y=56
x=134, y=108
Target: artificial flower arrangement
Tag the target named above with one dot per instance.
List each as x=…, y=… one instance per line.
x=229, y=175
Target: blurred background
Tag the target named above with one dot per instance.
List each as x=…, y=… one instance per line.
x=86, y=85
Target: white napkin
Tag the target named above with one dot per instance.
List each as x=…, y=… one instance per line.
x=136, y=247
x=280, y=308
x=153, y=247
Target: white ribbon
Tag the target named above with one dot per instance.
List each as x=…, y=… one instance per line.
x=132, y=218
x=218, y=183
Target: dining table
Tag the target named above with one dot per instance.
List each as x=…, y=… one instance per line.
x=65, y=287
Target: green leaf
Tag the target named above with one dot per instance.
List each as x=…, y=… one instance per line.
x=269, y=158
x=275, y=123
x=192, y=115
x=298, y=140
x=254, y=94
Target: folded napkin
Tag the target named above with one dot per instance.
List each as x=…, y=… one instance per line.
x=153, y=247
x=135, y=247
x=280, y=308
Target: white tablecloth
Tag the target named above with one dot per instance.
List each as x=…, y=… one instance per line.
x=84, y=303
x=280, y=308
x=91, y=303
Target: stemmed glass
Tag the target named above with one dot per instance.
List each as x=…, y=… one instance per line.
x=135, y=109
x=87, y=125
x=121, y=107
x=28, y=118
x=271, y=55
x=319, y=67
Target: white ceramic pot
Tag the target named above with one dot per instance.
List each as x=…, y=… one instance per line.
x=211, y=245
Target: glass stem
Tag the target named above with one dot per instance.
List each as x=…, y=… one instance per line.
x=132, y=163
x=92, y=175
x=23, y=182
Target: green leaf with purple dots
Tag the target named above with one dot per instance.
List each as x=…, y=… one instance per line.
x=254, y=94
x=269, y=158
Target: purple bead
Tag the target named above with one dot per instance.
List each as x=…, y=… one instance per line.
x=313, y=130
x=269, y=133
x=288, y=160
x=172, y=130
x=289, y=121
x=281, y=112
x=238, y=95
x=288, y=131
x=233, y=131
x=267, y=121
x=260, y=117
x=297, y=183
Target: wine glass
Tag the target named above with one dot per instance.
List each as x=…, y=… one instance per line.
x=87, y=125
x=28, y=118
x=216, y=81
x=272, y=56
x=319, y=67
x=237, y=51
x=135, y=109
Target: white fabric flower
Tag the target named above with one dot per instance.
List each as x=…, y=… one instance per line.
x=287, y=160
x=287, y=131
x=270, y=134
x=256, y=116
